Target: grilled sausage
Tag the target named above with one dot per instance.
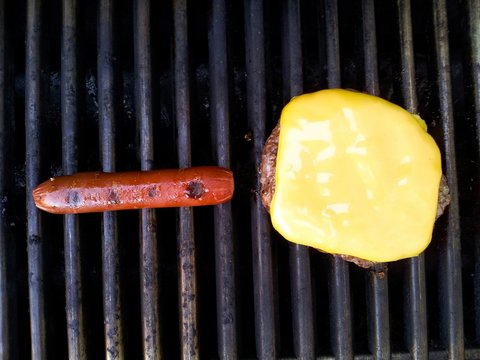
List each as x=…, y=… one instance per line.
x=98, y=191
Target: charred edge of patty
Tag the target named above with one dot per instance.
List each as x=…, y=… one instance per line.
x=267, y=189
x=268, y=167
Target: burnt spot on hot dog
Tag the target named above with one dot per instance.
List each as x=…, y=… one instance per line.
x=113, y=197
x=72, y=198
x=195, y=189
x=152, y=192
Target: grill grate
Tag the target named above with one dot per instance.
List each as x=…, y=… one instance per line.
x=121, y=85
x=264, y=299
x=33, y=68
x=113, y=326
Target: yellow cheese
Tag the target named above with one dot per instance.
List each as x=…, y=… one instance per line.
x=356, y=175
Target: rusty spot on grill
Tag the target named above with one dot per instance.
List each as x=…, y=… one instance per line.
x=195, y=189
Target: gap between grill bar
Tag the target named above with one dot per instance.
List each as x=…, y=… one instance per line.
x=450, y=279
x=224, y=250
x=112, y=307
x=339, y=277
x=6, y=318
x=300, y=276
x=148, y=256
x=33, y=113
x=415, y=303
x=474, y=22
x=263, y=277
x=377, y=287
x=69, y=87
x=474, y=17
x=187, y=292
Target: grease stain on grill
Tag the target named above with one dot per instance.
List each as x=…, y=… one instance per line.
x=74, y=326
x=195, y=189
x=72, y=198
x=113, y=333
x=34, y=239
x=113, y=351
x=113, y=197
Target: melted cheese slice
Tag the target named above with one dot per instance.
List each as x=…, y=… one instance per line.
x=356, y=175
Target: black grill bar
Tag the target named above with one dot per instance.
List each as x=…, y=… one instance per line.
x=187, y=292
x=339, y=277
x=33, y=113
x=377, y=300
x=292, y=50
x=224, y=250
x=332, y=43
x=300, y=277
x=112, y=315
x=370, y=48
x=415, y=308
x=148, y=253
x=415, y=296
x=340, y=307
x=263, y=276
x=377, y=287
x=69, y=86
x=450, y=286
x=474, y=15
x=407, y=55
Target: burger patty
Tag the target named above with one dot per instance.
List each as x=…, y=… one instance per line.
x=267, y=187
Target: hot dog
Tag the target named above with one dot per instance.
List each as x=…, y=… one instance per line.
x=98, y=191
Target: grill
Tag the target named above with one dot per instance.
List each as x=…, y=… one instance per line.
x=116, y=86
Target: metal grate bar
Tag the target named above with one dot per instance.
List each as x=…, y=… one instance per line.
x=261, y=241
x=450, y=287
x=33, y=113
x=370, y=47
x=69, y=86
x=186, y=241
x=224, y=250
x=332, y=43
x=340, y=305
x=377, y=286
x=379, y=324
x=292, y=50
x=416, y=336
x=112, y=314
x=415, y=297
x=300, y=277
x=474, y=15
x=143, y=107
x=407, y=55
